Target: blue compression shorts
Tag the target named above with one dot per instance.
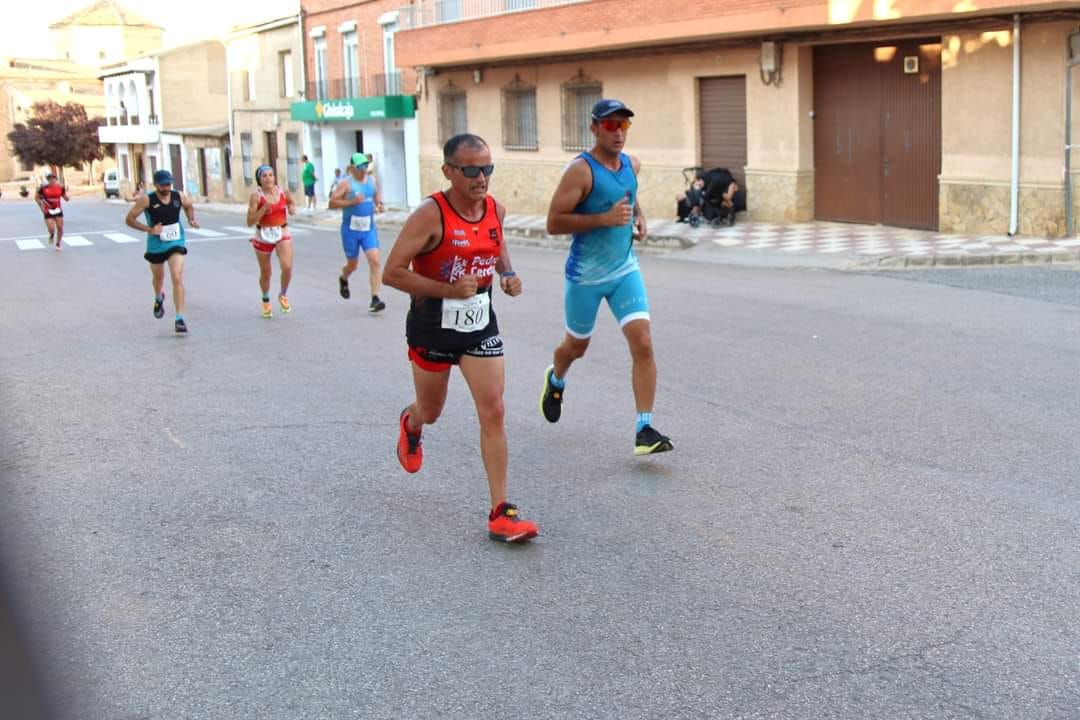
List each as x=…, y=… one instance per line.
x=625, y=296
x=352, y=241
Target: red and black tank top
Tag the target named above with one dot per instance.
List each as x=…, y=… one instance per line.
x=51, y=195
x=467, y=247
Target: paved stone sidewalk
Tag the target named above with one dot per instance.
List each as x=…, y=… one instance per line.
x=866, y=244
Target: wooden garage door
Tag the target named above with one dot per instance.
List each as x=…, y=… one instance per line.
x=877, y=133
x=722, y=117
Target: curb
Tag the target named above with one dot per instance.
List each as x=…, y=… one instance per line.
x=903, y=262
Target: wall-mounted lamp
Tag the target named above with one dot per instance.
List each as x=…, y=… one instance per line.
x=477, y=76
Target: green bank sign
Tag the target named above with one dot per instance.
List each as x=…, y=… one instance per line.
x=354, y=109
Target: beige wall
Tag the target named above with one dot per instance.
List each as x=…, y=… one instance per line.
x=977, y=130
x=259, y=53
x=665, y=135
x=193, y=87
x=258, y=124
x=85, y=44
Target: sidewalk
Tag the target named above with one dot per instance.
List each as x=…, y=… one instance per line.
x=869, y=246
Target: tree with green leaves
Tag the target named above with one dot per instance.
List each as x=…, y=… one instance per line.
x=58, y=136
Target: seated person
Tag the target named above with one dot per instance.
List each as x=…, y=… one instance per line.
x=723, y=198
x=690, y=203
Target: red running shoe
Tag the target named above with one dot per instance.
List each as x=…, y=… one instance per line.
x=505, y=525
x=409, y=452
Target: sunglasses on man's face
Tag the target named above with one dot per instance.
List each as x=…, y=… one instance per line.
x=613, y=124
x=473, y=171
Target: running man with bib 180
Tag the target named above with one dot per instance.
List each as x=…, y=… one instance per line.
x=448, y=257
x=164, y=240
x=357, y=195
x=596, y=202
x=49, y=197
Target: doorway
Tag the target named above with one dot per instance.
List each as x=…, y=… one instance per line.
x=202, y=173
x=877, y=132
x=272, y=151
x=177, y=163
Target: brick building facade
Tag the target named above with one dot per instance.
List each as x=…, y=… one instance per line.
x=355, y=98
x=894, y=112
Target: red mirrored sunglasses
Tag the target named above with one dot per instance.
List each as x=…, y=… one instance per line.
x=613, y=124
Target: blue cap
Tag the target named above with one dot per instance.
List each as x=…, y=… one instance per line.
x=608, y=107
x=163, y=177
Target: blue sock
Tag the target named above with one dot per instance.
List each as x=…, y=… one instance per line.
x=179, y=317
x=557, y=382
x=266, y=297
x=643, y=419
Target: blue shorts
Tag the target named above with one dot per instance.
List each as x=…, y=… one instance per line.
x=353, y=241
x=309, y=190
x=625, y=296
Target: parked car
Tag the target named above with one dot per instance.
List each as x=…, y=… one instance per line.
x=112, y=184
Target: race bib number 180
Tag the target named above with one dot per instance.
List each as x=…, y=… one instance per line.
x=468, y=315
x=170, y=233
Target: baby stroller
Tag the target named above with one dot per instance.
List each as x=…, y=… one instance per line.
x=706, y=204
x=691, y=207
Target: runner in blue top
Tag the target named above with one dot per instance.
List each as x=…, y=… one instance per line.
x=358, y=197
x=164, y=240
x=596, y=202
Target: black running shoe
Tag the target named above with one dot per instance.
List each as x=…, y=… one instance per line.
x=343, y=287
x=550, y=398
x=159, y=307
x=649, y=441
x=377, y=305
x=181, y=326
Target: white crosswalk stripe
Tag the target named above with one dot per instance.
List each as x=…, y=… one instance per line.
x=194, y=235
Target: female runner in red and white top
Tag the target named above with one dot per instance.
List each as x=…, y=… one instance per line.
x=268, y=211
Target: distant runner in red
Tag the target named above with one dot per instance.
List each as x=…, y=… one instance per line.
x=49, y=197
x=448, y=257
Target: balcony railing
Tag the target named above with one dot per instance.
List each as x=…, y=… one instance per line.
x=425, y=13
x=355, y=87
x=130, y=120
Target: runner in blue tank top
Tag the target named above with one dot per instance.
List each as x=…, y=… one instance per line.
x=596, y=202
x=357, y=195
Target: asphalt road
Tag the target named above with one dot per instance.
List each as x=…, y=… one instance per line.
x=872, y=510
